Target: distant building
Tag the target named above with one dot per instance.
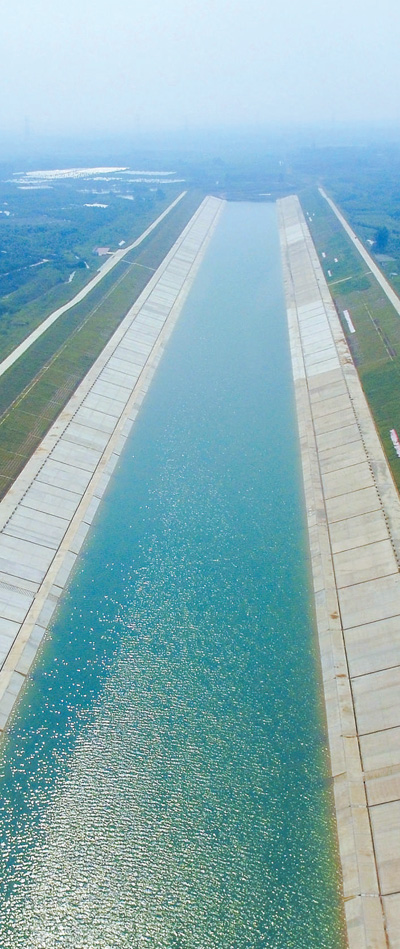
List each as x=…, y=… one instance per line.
x=101, y=251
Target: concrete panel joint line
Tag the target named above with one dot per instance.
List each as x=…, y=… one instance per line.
x=45, y=516
x=353, y=513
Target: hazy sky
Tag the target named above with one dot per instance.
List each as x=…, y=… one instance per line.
x=92, y=65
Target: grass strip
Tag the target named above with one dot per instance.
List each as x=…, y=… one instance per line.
x=375, y=345
x=38, y=386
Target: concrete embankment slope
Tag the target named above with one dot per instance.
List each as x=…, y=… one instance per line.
x=112, y=262
x=353, y=515
x=45, y=516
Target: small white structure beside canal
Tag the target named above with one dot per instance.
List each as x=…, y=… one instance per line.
x=354, y=530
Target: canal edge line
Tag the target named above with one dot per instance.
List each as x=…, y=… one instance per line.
x=74, y=462
x=102, y=272
x=353, y=515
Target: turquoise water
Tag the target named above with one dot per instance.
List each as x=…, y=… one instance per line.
x=165, y=779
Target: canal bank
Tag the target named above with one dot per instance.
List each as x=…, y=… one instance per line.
x=164, y=784
x=46, y=515
x=353, y=513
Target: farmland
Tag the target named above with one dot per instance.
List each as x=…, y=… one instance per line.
x=35, y=389
x=375, y=346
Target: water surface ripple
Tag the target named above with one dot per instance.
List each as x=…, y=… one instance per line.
x=164, y=782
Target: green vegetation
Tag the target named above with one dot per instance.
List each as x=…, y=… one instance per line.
x=363, y=181
x=49, y=231
x=35, y=389
x=375, y=345
x=381, y=238
x=50, y=236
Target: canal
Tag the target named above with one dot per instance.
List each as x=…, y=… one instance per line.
x=165, y=778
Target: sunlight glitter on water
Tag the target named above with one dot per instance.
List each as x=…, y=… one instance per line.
x=165, y=779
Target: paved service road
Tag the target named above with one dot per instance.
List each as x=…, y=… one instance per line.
x=353, y=512
x=46, y=514
x=105, y=269
x=386, y=287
